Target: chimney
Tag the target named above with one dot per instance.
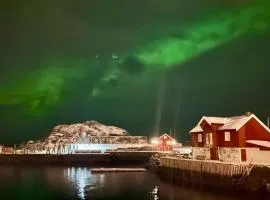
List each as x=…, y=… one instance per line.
x=268, y=122
x=248, y=113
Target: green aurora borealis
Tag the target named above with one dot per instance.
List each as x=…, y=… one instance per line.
x=195, y=39
x=71, y=87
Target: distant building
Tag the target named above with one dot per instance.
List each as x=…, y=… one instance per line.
x=164, y=142
x=6, y=150
x=238, y=132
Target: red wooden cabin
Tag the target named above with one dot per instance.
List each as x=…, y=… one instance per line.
x=238, y=132
x=7, y=150
x=164, y=143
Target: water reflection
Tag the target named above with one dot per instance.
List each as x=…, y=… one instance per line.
x=155, y=193
x=83, y=181
x=79, y=183
x=79, y=178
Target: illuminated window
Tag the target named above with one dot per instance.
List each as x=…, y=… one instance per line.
x=209, y=138
x=199, y=137
x=206, y=138
x=227, y=136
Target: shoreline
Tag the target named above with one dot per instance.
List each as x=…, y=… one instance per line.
x=213, y=176
x=92, y=159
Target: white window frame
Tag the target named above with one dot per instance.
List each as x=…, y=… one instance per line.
x=200, y=139
x=227, y=136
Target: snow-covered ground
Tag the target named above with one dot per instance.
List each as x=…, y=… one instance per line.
x=183, y=150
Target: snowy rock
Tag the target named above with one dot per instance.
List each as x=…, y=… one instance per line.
x=82, y=132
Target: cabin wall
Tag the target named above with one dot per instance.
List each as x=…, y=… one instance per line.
x=194, y=139
x=229, y=154
x=242, y=137
x=206, y=130
x=201, y=153
x=255, y=131
x=233, y=139
x=233, y=155
x=257, y=156
x=214, y=128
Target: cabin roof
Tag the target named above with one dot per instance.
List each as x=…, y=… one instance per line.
x=196, y=129
x=261, y=143
x=229, y=123
x=165, y=134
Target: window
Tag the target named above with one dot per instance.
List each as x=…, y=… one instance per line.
x=199, y=137
x=211, y=138
x=227, y=136
x=207, y=138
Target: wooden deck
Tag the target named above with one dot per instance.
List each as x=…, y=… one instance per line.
x=211, y=167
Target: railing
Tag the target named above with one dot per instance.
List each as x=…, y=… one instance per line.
x=112, y=139
x=92, y=142
x=70, y=148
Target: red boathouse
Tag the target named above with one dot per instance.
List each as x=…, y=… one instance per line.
x=164, y=142
x=240, y=132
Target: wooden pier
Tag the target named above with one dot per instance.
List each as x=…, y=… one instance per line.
x=209, y=167
x=214, y=175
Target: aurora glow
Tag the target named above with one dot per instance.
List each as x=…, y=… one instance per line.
x=41, y=88
x=159, y=55
x=193, y=40
x=64, y=62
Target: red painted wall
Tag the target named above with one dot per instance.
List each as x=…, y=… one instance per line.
x=194, y=140
x=242, y=136
x=255, y=131
x=233, y=139
x=164, y=139
x=206, y=129
x=163, y=145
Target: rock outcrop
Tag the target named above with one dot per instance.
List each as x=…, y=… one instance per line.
x=82, y=131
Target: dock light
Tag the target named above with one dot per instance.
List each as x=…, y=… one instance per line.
x=154, y=141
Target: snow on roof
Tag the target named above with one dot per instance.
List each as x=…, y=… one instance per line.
x=214, y=120
x=235, y=122
x=230, y=123
x=165, y=134
x=196, y=129
x=259, y=143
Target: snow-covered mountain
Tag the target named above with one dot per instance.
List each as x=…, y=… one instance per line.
x=83, y=131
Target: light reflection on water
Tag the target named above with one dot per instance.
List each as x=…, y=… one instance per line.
x=83, y=180
x=79, y=183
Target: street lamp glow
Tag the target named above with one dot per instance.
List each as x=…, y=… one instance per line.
x=154, y=141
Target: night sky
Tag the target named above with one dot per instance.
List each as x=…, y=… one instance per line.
x=145, y=65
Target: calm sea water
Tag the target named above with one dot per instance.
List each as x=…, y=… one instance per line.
x=79, y=183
